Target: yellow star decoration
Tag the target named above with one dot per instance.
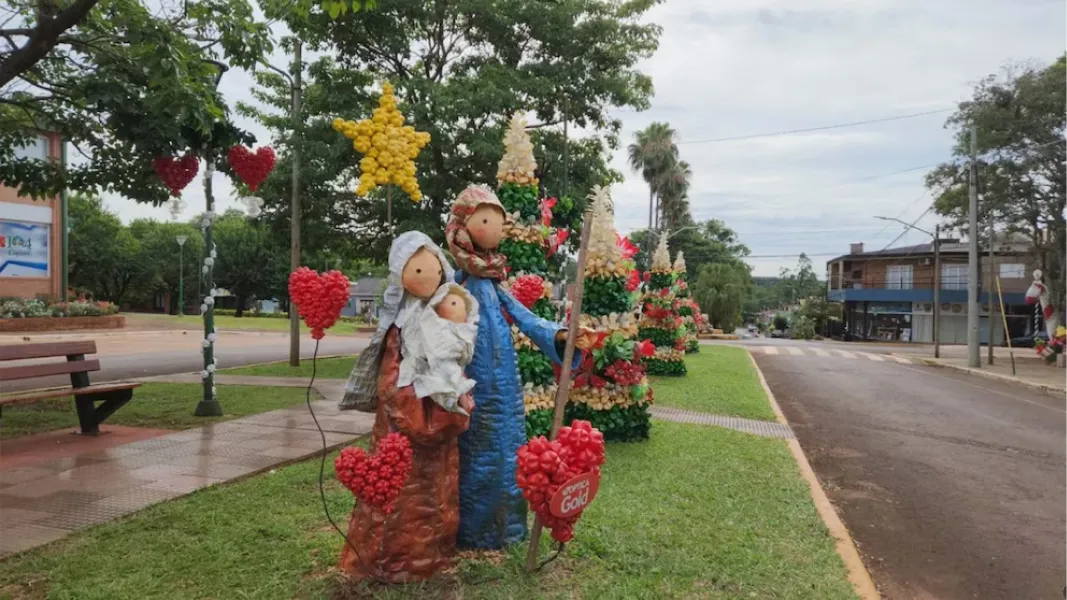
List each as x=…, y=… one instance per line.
x=389, y=148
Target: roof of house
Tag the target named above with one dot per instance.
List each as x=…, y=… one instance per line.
x=366, y=286
x=1012, y=245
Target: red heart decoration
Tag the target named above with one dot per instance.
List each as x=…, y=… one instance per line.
x=376, y=478
x=546, y=465
x=176, y=173
x=319, y=298
x=251, y=168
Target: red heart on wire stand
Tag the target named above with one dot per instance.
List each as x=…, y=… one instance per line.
x=319, y=298
x=376, y=478
x=545, y=465
x=251, y=167
x=176, y=173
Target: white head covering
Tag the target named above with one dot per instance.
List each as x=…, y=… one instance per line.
x=436, y=350
x=361, y=390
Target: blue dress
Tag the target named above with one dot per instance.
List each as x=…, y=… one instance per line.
x=492, y=511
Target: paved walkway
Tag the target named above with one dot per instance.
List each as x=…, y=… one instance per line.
x=771, y=429
x=1029, y=370
x=47, y=501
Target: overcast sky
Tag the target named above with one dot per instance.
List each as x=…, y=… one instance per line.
x=739, y=67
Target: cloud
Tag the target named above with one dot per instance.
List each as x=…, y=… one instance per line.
x=742, y=67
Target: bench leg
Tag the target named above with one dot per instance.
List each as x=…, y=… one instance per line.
x=91, y=416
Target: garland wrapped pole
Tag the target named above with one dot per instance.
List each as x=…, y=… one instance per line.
x=565, y=374
x=209, y=405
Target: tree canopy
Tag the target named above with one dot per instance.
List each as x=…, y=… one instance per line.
x=460, y=71
x=1019, y=117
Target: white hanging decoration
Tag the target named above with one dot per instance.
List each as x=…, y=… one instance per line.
x=209, y=262
x=214, y=292
x=211, y=337
x=253, y=205
x=203, y=308
x=206, y=344
x=204, y=374
x=211, y=368
x=209, y=301
x=176, y=207
x=204, y=270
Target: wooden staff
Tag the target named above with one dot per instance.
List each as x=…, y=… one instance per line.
x=563, y=391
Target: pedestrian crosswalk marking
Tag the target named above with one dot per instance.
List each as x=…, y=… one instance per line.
x=825, y=353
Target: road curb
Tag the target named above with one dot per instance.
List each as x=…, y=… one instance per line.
x=858, y=575
x=1048, y=390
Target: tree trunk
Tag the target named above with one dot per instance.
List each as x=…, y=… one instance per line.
x=240, y=312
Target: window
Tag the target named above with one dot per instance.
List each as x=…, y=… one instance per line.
x=1012, y=271
x=38, y=148
x=954, y=277
x=898, y=277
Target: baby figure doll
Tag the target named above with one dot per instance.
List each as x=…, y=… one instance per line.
x=440, y=346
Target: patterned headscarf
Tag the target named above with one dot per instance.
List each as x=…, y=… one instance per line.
x=487, y=264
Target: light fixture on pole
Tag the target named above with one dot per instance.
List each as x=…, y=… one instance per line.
x=181, y=239
x=936, y=235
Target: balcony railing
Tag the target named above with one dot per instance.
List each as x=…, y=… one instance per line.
x=1010, y=285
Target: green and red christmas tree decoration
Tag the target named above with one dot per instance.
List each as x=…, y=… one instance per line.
x=685, y=305
x=610, y=388
x=529, y=242
x=660, y=322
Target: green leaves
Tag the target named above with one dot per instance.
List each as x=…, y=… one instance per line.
x=524, y=257
x=535, y=367
x=606, y=295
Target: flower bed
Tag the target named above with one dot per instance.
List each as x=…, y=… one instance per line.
x=18, y=314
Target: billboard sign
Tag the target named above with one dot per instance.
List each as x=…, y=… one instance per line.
x=24, y=249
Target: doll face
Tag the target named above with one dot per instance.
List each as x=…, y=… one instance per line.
x=453, y=308
x=486, y=226
x=422, y=274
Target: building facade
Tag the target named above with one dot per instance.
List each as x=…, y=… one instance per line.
x=31, y=234
x=888, y=295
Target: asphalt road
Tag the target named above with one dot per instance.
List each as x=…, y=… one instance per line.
x=134, y=356
x=952, y=486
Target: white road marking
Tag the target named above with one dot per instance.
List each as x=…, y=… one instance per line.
x=845, y=354
x=820, y=352
x=900, y=359
x=873, y=357
x=769, y=350
x=793, y=350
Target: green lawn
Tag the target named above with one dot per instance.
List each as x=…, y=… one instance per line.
x=328, y=368
x=697, y=512
x=721, y=380
x=154, y=405
x=195, y=322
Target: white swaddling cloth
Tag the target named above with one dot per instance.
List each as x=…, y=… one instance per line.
x=435, y=351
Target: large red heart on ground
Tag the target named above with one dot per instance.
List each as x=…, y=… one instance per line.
x=176, y=173
x=251, y=168
x=319, y=298
x=546, y=465
x=376, y=478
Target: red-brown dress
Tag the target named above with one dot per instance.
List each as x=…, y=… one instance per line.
x=418, y=539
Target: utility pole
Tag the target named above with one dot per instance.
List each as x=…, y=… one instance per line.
x=294, y=249
x=181, y=239
x=937, y=291
x=973, y=352
x=990, y=321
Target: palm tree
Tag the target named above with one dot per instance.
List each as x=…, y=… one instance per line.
x=672, y=189
x=653, y=153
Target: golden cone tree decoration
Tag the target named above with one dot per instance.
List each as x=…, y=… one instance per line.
x=661, y=258
x=602, y=245
x=389, y=148
x=518, y=164
x=679, y=263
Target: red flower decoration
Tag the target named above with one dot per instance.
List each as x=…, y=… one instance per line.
x=544, y=466
x=645, y=349
x=562, y=235
x=625, y=246
x=528, y=289
x=546, y=211
x=376, y=478
x=319, y=298
x=176, y=173
x=648, y=276
x=633, y=281
x=251, y=168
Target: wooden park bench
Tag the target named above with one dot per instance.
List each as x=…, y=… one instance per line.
x=111, y=396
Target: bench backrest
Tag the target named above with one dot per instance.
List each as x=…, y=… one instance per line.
x=74, y=352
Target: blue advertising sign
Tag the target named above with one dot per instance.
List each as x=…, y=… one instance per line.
x=24, y=249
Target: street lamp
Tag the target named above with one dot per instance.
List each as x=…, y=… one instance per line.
x=936, y=235
x=181, y=239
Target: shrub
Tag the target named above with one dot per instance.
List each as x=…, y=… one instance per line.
x=20, y=308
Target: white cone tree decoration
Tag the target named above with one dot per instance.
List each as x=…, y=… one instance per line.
x=518, y=164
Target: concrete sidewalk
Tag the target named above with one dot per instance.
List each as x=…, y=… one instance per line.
x=51, y=499
x=1030, y=370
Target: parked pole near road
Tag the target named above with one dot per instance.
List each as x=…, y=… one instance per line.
x=973, y=352
x=181, y=239
x=294, y=225
x=937, y=291
x=989, y=293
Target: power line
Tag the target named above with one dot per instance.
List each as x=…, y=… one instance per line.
x=810, y=129
x=908, y=228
